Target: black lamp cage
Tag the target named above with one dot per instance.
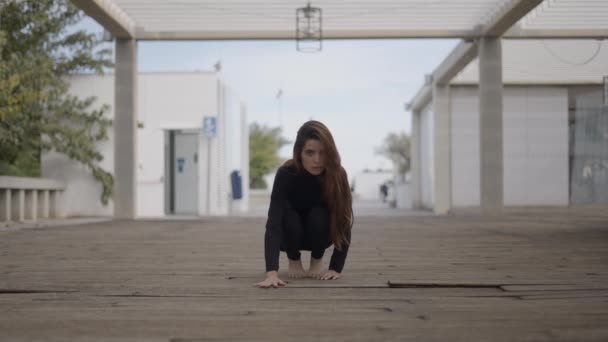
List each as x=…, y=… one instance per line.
x=309, y=30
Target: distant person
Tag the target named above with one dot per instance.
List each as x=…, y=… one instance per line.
x=310, y=209
x=383, y=192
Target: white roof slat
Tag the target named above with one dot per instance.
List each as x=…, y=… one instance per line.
x=565, y=15
x=547, y=62
x=407, y=18
x=169, y=19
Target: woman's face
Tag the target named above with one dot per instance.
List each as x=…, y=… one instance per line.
x=313, y=157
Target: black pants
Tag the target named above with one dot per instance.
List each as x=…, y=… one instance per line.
x=305, y=231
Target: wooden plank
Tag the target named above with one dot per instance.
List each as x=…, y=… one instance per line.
x=555, y=287
x=527, y=275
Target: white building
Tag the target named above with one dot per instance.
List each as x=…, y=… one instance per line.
x=552, y=97
x=179, y=169
x=366, y=184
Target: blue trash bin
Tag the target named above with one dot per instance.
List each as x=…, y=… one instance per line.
x=237, y=184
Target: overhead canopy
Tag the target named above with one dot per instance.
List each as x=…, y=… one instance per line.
x=556, y=62
x=275, y=19
x=479, y=23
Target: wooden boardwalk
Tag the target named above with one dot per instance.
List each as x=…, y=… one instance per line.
x=527, y=275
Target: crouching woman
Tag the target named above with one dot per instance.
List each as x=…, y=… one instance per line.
x=310, y=209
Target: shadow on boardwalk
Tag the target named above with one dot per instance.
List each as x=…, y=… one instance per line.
x=527, y=275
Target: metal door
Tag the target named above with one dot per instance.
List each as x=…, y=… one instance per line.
x=186, y=173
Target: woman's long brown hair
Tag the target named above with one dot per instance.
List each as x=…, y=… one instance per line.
x=336, y=190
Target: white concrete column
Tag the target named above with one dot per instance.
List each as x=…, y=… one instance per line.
x=54, y=204
x=31, y=204
x=442, y=148
x=44, y=205
x=5, y=210
x=244, y=159
x=125, y=129
x=415, y=181
x=18, y=205
x=490, y=125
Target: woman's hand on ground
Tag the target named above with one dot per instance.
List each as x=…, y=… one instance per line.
x=272, y=280
x=329, y=275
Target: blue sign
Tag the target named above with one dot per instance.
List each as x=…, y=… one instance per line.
x=209, y=127
x=180, y=165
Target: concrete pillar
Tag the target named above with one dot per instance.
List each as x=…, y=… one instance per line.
x=125, y=129
x=244, y=158
x=5, y=210
x=54, y=204
x=44, y=204
x=18, y=205
x=416, y=182
x=442, y=149
x=490, y=125
x=31, y=204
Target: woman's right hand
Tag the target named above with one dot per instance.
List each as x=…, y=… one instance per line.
x=272, y=280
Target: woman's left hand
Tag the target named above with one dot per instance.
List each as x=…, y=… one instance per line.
x=329, y=275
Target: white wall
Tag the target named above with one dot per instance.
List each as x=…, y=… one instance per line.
x=427, y=183
x=367, y=184
x=83, y=193
x=465, y=146
x=165, y=101
x=403, y=195
x=168, y=101
x=535, y=146
x=219, y=204
x=238, y=148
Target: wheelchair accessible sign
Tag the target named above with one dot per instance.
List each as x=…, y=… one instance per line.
x=209, y=127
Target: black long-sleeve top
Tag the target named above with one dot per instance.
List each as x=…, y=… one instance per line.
x=302, y=191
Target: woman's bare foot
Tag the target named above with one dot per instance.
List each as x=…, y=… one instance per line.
x=316, y=265
x=296, y=270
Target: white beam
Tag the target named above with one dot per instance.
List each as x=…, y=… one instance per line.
x=463, y=54
x=517, y=32
x=460, y=57
x=109, y=15
x=422, y=97
x=247, y=34
x=508, y=16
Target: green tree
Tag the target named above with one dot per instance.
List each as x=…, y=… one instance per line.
x=264, y=145
x=396, y=147
x=38, y=49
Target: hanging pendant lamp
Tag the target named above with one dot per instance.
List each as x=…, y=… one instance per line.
x=309, y=31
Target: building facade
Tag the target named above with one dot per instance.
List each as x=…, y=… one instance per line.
x=554, y=130
x=183, y=167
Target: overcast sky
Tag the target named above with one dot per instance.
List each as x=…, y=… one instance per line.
x=356, y=87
